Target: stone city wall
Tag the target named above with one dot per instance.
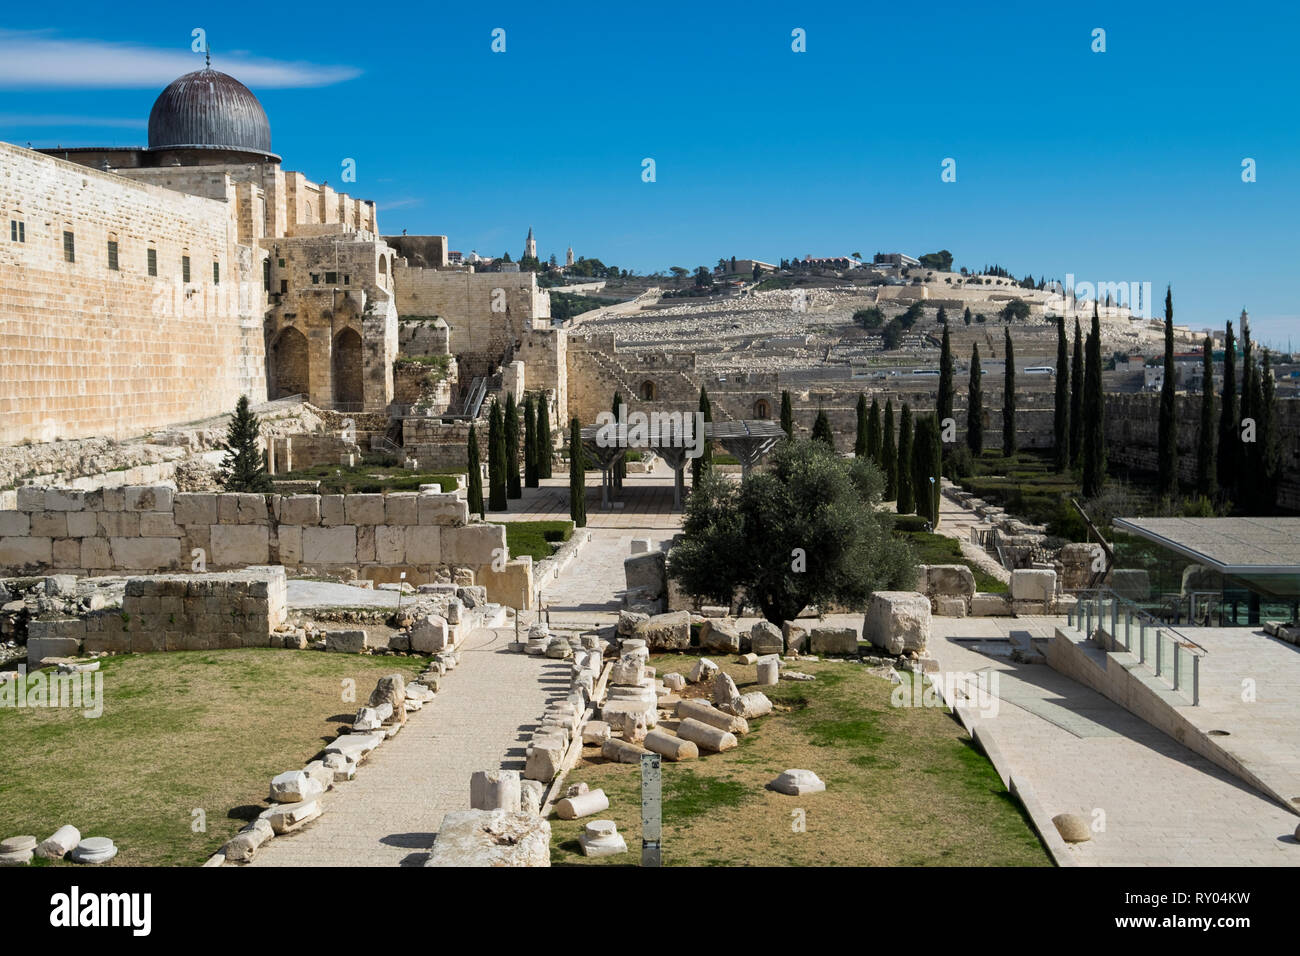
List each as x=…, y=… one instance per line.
x=92, y=350
x=1132, y=437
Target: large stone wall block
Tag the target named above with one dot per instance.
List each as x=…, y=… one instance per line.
x=330, y=545
x=195, y=507
x=148, y=498
x=304, y=510
x=897, y=621
x=363, y=509
x=239, y=545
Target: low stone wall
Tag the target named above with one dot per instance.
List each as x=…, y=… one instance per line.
x=154, y=529
x=183, y=612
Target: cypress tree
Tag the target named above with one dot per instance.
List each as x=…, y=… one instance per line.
x=861, y=441
x=1266, y=441
x=474, y=472
x=1205, y=469
x=944, y=401
x=889, y=452
x=1247, y=486
x=530, y=442
x=700, y=466
x=873, y=432
x=1094, y=410
x=926, y=460
x=545, y=446
x=1167, y=440
x=620, y=463
x=244, y=468
x=906, y=502
x=1061, y=412
x=513, y=489
x=975, y=405
x=966, y=315
x=496, y=460
x=1229, y=428
x=1009, y=399
x=577, y=476
x=1076, y=397
x=787, y=415
x=822, y=430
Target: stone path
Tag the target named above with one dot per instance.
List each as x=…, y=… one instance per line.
x=390, y=812
x=1163, y=805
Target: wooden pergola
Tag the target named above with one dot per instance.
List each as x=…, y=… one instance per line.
x=748, y=441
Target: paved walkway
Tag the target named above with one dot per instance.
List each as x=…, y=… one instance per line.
x=390, y=812
x=1162, y=804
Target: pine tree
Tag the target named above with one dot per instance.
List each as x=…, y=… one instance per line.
x=545, y=446
x=1009, y=399
x=787, y=415
x=244, y=468
x=1205, y=468
x=513, y=490
x=577, y=476
x=496, y=459
x=530, y=442
x=1076, y=397
x=1229, y=427
x=860, y=439
x=1061, y=413
x=822, y=430
x=944, y=402
x=619, y=471
x=1167, y=439
x=474, y=471
x=889, y=452
x=906, y=501
x=1094, y=410
x=700, y=466
x=975, y=404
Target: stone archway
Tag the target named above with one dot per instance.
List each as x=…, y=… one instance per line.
x=761, y=409
x=291, y=364
x=647, y=391
x=347, y=367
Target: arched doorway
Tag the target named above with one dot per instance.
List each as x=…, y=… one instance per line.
x=290, y=364
x=349, y=392
x=647, y=391
x=761, y=409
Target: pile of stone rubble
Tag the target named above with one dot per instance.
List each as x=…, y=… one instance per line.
x=65, y=843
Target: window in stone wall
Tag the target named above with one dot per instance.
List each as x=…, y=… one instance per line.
x=281, y=263
x=347, y=279
x=266, y=275
x=185, y=268
x=315, y=278
x=151, y=261
x=69, y=247
x=647, y=391
x=761, y=409
x=331, y=278
x=284, y=286
x=17, y=230
x=112, y=255
x=216, y=273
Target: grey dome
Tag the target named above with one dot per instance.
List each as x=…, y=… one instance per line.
x=207, y=109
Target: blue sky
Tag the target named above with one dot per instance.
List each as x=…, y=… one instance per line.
x=1115, y=166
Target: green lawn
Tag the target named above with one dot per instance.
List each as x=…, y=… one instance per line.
x=180, y=731
x=535, y=537
x=940, y=549
x=904, y=787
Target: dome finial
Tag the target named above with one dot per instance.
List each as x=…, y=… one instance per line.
x=207, y=56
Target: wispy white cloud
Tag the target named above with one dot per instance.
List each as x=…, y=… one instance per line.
x=398, y=204
x=8, y=120
x=41, y=60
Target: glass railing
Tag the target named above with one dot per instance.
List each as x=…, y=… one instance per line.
x=1119, y=624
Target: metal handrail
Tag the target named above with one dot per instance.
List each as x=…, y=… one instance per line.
x=1089, y=613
